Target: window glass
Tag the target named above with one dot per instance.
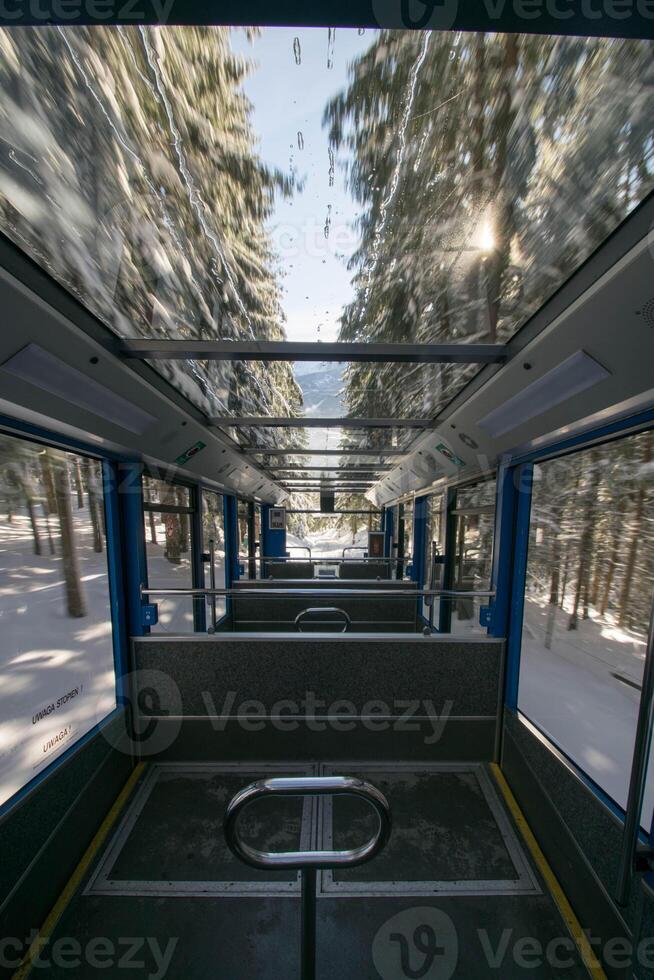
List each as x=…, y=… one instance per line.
x=474, y=528
x=168, y=550
x=587, y=605
x=213, y=530
x=329, y=535
x=304, y=192
x=157, y=491
x=56, y=658
x=407, y=509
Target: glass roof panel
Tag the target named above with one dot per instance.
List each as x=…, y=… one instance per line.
x=258, y=437
x=318, y=389
x=386, y=186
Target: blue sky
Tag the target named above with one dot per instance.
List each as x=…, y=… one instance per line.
x=289, y=99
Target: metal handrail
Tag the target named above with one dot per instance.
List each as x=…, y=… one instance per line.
x=354, y=547
x=308, y=862
x=297, y=547
x=322, y=593
x=322, y=561
x=347, y=622
x=307, y=786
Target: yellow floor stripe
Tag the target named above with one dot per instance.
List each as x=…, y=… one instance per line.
x=572, y=922
x=77, y=876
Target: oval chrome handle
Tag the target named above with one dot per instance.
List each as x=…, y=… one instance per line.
x=347, y=622
x=308, y=786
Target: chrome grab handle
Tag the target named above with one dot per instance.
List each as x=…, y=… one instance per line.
x=308, y=861
x=308, y=786
x=353, y=547
x=347, y=622
x=299, y=547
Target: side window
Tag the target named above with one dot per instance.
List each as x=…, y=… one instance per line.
x=56, y=658
x=587, y=605
x=473, y=532
x=213, y=544
x=167, y=514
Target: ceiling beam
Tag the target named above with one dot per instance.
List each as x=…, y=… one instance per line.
x=262, y=451
x=330, y=469
x=268, y=350
x=274, y=422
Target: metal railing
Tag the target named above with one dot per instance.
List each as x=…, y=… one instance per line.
x=316, y=559
x=323, y=593
x=294, y=547
x=308, y=862
x=354, y=547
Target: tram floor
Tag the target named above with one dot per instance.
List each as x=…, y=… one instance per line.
x=456, y=893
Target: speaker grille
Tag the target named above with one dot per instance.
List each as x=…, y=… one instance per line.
x=647, y=312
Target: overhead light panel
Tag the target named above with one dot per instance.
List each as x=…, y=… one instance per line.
x=49, y=373
x=577, y=373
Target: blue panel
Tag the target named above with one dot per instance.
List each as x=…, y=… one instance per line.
x=230, y=505
x=523, y=485
x=116, y=571
x=503, y=545
x=419, y=539
x=130, y=495
x=388, y=532
x=197, y=545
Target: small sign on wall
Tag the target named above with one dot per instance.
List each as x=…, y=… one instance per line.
x=375, y=544
x=277, y=519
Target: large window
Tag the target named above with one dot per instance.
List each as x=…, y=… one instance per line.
x=329, y=535
x=168, y=512
x=587, y=605
x=473, y=530
x=56, y=658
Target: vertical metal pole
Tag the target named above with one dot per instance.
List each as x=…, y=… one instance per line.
x=308, y=925
x=638, y=774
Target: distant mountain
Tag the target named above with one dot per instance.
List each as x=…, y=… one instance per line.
x=321, y=385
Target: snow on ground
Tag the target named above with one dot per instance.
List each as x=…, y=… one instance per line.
x=570, y=693
x=328, y=543
x=45, y=654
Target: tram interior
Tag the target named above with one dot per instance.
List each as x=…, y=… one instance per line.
x=326, y=500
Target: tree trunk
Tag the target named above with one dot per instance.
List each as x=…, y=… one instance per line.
x=31, y=510
x=555, y=580
x=95, y=504
x=153, y=527
x=586, y=542
x=75, y=601
x=79, y=488
x=634, y=538
x=613, y=560
x=50, y=505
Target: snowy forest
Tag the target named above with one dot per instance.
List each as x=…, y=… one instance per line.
x=484, y=170
x=487, y=167
x=591, y=551
x=44, y=489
